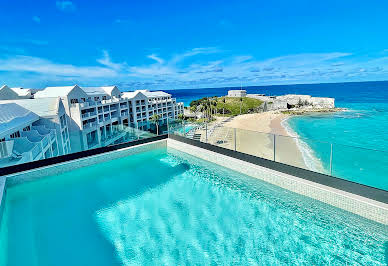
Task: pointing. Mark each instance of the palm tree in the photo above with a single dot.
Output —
(223, 106)
(241, 100)
(155, 118)
(181, 116)
(214, 102)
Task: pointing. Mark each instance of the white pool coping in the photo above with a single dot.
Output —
(365, 207)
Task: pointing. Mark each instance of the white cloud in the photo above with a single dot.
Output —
(194, 52)
(181, 70)
(107, 61)
(36, 19)
(156, 58)
(42, 66)
(65, 5)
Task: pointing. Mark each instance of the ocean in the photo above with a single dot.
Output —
(359, 135)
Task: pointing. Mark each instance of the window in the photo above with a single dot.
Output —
(27, 128)
(73, 101)
(15, 135)
(104, 97)
(83, 99)
(96, 98)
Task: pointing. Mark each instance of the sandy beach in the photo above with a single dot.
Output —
(255, 135)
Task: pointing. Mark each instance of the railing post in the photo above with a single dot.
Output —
(331, 159)
(274, 147)
(206, 132)
(235, 140)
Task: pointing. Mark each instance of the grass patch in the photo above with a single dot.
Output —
(232, 105)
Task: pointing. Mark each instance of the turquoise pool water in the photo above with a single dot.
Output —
(168, 208)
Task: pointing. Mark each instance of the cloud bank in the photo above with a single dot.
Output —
(194, 68)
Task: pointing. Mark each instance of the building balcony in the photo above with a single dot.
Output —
(90, 125)
(88, 104)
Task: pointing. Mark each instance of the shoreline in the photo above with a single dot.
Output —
(256, 137)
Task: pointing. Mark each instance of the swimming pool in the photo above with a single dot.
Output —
(167, 207)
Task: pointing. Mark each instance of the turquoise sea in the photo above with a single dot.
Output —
(364, 125)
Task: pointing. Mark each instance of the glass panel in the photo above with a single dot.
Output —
(365, 166)
(287, 151)
(255, 143)
(222, 137)
(47, 143)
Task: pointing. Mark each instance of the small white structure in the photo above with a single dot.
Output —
(237, 93)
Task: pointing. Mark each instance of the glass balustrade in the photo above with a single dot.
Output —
(357, 164)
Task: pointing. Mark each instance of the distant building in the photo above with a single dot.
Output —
(237, 93)
(21, 138)
(52, 116)
(97, 113)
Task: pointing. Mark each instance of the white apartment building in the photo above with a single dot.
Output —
(22, 139)
(52, 116)
(97, 115)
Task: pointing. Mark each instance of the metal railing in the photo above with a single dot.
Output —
(357, 164)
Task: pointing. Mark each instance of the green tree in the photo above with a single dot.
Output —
(181, 116)
(155, 118)
(223, 106)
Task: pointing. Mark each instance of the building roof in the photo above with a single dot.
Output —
(129, 94)
(7, 93)
(22, 91)
(14, 116)
(155, 93)
(54, 91)
(41, 106)
(99, 90)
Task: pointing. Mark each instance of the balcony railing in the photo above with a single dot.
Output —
(357, 164)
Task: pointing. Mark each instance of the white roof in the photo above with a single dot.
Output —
(14, 116)
(237, 90)
(54, 91)
(22, 91)
(41, 106)
(99, 90)
(3, 87)
(129, 94)
(155, 93)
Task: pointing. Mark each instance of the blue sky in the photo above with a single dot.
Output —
(191, 44)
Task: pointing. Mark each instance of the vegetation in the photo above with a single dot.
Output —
(155, 119)
(227, 106)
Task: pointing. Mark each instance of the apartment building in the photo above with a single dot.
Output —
(98, 115)
(22, 138)
(52, 116)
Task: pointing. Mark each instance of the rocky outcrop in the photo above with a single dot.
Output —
(292, 101)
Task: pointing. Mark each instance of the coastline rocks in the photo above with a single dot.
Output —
(291, 101)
